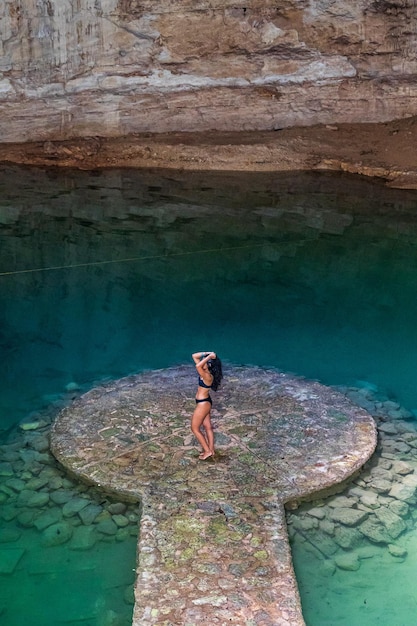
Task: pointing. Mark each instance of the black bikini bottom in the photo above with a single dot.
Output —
(208, 399)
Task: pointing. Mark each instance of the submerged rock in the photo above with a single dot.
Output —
(83, 538)
(392, 522)
(9, 559)
(107, 527)
(6, 469)
(397, 551)
(49, 517)
(32, 499)
(347, 538)
(350, 561)
(8, 535)
(348, 517)
(33, 425)
(57, 534)
(406, 493)
(74, 506)
(89, 514)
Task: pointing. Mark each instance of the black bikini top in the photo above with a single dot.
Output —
(201, 383)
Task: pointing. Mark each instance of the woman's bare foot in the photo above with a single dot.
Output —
(205, 455)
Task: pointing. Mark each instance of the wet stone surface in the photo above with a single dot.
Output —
(213, 544)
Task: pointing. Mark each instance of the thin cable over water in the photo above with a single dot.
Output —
(128, 260)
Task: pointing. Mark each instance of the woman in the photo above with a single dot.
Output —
(209, 368)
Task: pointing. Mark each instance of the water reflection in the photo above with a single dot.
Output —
(106, 273)
(313, 274)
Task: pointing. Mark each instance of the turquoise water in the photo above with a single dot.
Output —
(108, 273)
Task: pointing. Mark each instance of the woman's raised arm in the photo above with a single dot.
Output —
(201, 358)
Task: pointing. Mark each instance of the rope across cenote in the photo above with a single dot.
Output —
(128, 260)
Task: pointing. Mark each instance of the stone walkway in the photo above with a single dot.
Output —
(213, 544)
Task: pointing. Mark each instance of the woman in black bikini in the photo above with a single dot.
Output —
(209, 368)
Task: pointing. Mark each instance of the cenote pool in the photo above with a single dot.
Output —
(111, 272)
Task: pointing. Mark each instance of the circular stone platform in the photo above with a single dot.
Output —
(213, 545)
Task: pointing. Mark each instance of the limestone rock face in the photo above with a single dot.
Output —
(113, 67)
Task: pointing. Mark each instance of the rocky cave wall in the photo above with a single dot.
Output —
(74, 68)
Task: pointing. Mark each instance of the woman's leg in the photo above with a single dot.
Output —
(209, 431)
(200, 413)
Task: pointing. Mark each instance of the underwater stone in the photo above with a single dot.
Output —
(56, 534)
(34, 484)
(403, 492)
(305, 523)
(89, 513)
(51, 516)
(348, 517)
(40, 444)
(72, 386)
(102, 516)
(6, 469)
(74, 506)
(374, 531)
(399, 507)
(6, 490)
(328, 567)
(9, 559)
(341, 502)
(83, 538)
(117, 508)
(322, 543)
(400, 414)
(9, 534)
(122, 534)
(61, 496)
(8, 513)
(29, 456)
(55, 483)
(402, 468)
(397, 550)
(391, 405)
(34, 425)
(349, 562)
(381, 485)
(388, 428)
(16, 484)
(368, 552)
(32, 499)
(107, 527)
(120, 520)
(410, 479)
(318, 512)
(392, 522)
(401, 446)
(11, 455)
(370, 500)
(347, 538)
(381, 472)
(27, 518)
(327, 526)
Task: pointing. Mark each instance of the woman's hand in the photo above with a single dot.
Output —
(201, 358)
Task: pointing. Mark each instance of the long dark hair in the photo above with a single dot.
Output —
(215, 369)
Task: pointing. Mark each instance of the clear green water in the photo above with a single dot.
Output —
(312, 274)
